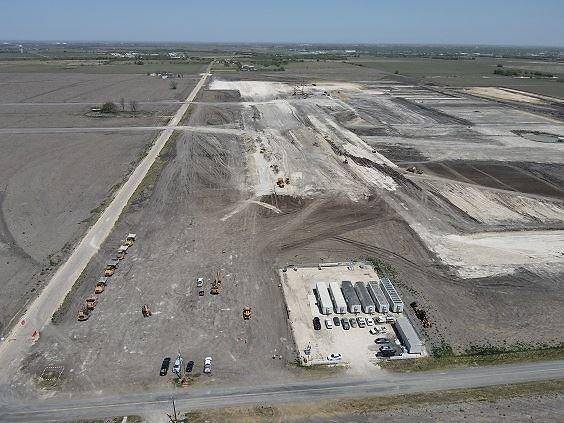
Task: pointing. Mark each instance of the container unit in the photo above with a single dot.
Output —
(323, 298)
(351, 298)
(337, 297)
(396, 304)
(378, 297)
(366, 302)
(408, 336)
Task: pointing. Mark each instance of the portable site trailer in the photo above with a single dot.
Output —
(396, 304)
(337, 297)
(323, 299)
(366, 302)
(408, 336)
(378, 297)
(351, 298)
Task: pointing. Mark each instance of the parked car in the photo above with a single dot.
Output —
(316, 323)
(382, 340)
(189, 366)
(207, 365)
(390, 319)
(200, 282)
(387, 351)
(382, 329)
(373, 331)
(201, 292)
(345, 323)
(361, 322)
(334, 357)
(328, 324)
(369, 321)
(177, 367)
(353, 323)
(336, 321)
(379, 319)
(165, 366)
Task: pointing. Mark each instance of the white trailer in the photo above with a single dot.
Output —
(408, 336)
(351, 298)
(396, 304)
(323, 298)
(337, 297)
(377, 295)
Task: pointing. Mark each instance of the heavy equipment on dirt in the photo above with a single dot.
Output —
(91, 302)
(421, 315)
(129, 239)
(121, 252)
(110, 268)
(100, 285)
(414, 169)
(83, 313)
(280, 182)
(216, 284)
(146, 310)
(247, 313)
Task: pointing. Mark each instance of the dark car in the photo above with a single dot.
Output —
(189, 366)
(165, 366)
(336, 321)
(387, 351)
(346, 325)
(316, 323)
(353, 323)
(201, 292)
(382, 340)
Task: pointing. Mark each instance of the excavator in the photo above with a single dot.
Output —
(100, 286)
(91, 302)
(216, 284)
(83, 313)
(247, 313)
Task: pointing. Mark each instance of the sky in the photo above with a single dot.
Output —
(505, 22)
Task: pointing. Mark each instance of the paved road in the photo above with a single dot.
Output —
(39, 313)
(154, 403)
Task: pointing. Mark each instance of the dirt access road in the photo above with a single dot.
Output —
(39, 313)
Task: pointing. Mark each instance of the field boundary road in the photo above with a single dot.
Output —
(39, 313)
(153, 403)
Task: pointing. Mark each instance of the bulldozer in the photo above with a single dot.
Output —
(280, 182)
(111, 267)
(216, 284)
(247, 313)
(121, 252)
(83, 313)
(146, 310)
(91, 302)
(129, 240)
(100, 286)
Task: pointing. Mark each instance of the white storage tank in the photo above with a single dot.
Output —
(337, 296)
(323, 298)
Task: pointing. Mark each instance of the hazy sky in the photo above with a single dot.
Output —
(516, 22)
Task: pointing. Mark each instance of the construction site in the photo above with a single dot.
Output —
(440, 187)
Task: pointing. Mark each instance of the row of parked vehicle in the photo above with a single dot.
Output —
(353, 322)
(178, 366)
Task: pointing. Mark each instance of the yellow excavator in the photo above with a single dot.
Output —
(247, 313)
(216, 284)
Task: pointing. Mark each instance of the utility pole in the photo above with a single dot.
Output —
(171, 418)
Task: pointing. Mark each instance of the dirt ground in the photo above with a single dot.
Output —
(218, 205)
(51, 184)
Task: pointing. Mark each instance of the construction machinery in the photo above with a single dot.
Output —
(247, 313)
(280, 182)
(83, 313)
(129, 240)
(100, 285)
(421, 315)
(121, 252)
(216, 284)
(414, 169)
(110, 268)
(91, 302)
(146, 310)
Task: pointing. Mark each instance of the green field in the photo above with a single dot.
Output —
(468, 73)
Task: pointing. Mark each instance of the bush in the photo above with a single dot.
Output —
(108, 107)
